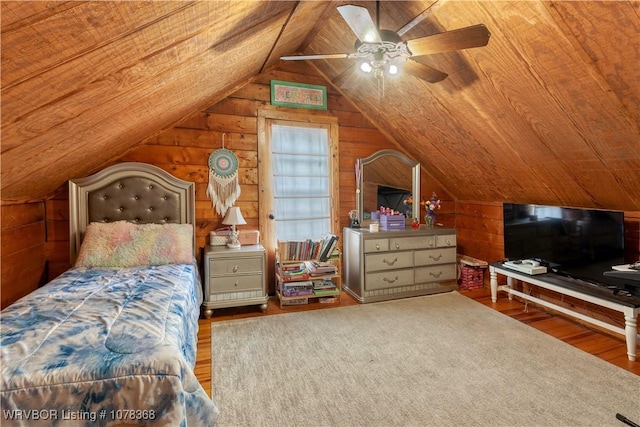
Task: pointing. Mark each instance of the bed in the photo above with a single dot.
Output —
(112, 341)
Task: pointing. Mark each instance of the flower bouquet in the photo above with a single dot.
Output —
(431, 206)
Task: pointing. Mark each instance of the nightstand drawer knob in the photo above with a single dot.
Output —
(235, 269)
(236, 284)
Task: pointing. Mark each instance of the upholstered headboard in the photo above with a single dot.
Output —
(136, 192)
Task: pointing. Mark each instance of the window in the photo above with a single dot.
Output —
(300, 167)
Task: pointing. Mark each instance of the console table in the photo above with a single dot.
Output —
(595, 294)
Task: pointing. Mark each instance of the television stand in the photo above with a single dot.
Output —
(628, 305)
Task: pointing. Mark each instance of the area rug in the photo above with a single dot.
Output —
(440, 360)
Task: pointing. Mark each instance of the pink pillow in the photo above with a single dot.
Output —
(125, 244)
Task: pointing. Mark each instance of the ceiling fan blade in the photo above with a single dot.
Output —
(325, 56)
(421, 17)
(423, 72)
(360, 22)
(463, 38)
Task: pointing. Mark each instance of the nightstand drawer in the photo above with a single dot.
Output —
(234, 278)
(236, 283)
(236, 265)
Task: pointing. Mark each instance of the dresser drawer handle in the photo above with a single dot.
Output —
(430, 242)
(397, 245)
(436, 275)
(435, 258)
(236, 284)
(390, 280)
(390, 262)
(235, 269)
(377, 247)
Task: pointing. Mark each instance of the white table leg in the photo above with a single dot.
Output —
(631, 331)
(510, 285)
(494, 284)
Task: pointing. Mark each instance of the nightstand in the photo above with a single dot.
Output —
(234, 277)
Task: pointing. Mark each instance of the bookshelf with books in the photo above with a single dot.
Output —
(308, 272)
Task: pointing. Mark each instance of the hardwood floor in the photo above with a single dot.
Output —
(607, 347)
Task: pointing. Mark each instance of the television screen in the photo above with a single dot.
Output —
(393, 198)
(583, 243)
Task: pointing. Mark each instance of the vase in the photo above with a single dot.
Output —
(428, 219)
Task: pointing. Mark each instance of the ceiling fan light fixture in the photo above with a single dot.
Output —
(393, 69)
(371, 37)
(366, 67)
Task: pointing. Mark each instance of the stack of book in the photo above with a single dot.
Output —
(297, 289)
(319, 268)
(324, 287)
(295, 271)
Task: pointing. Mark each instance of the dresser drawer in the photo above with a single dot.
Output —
(236, 265)
(435, 256)
(388, 261)
(236, 283)
(436, 273)
(408, 243)
(445, 240)
(388, 279)
(376, 245)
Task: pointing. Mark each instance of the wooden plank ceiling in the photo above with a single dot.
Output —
(547, 112)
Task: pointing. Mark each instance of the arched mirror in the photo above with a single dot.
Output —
(387, 178)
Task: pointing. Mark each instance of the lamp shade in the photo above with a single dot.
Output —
(234, 217)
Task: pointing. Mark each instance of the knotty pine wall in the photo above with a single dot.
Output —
(184, 150)
(23, 262)
(34, 236)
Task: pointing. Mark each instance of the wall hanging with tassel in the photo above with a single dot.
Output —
(223, 188)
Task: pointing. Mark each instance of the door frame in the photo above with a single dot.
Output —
(266, 225)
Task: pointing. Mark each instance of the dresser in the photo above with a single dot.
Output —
(234, 277)
(400, 263)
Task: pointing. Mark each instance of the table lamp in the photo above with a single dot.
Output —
(233, 218)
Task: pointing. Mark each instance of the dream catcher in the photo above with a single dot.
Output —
(223, 188)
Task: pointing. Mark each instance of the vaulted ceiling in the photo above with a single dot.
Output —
(547, 112)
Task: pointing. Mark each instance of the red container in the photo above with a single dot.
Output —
(471, 277)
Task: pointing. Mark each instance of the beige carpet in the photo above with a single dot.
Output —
(441, 360)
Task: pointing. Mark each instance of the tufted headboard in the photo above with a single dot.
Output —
(136, 192)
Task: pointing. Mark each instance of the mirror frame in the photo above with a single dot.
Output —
(415, 176)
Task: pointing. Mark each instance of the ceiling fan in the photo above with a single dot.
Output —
(383, 52)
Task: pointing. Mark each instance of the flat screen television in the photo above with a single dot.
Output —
(391, 197)
(581, 243)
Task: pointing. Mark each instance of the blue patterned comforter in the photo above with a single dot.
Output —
(99, 347)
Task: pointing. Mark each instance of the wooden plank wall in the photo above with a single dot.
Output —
(184, 149)
(23, 263)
